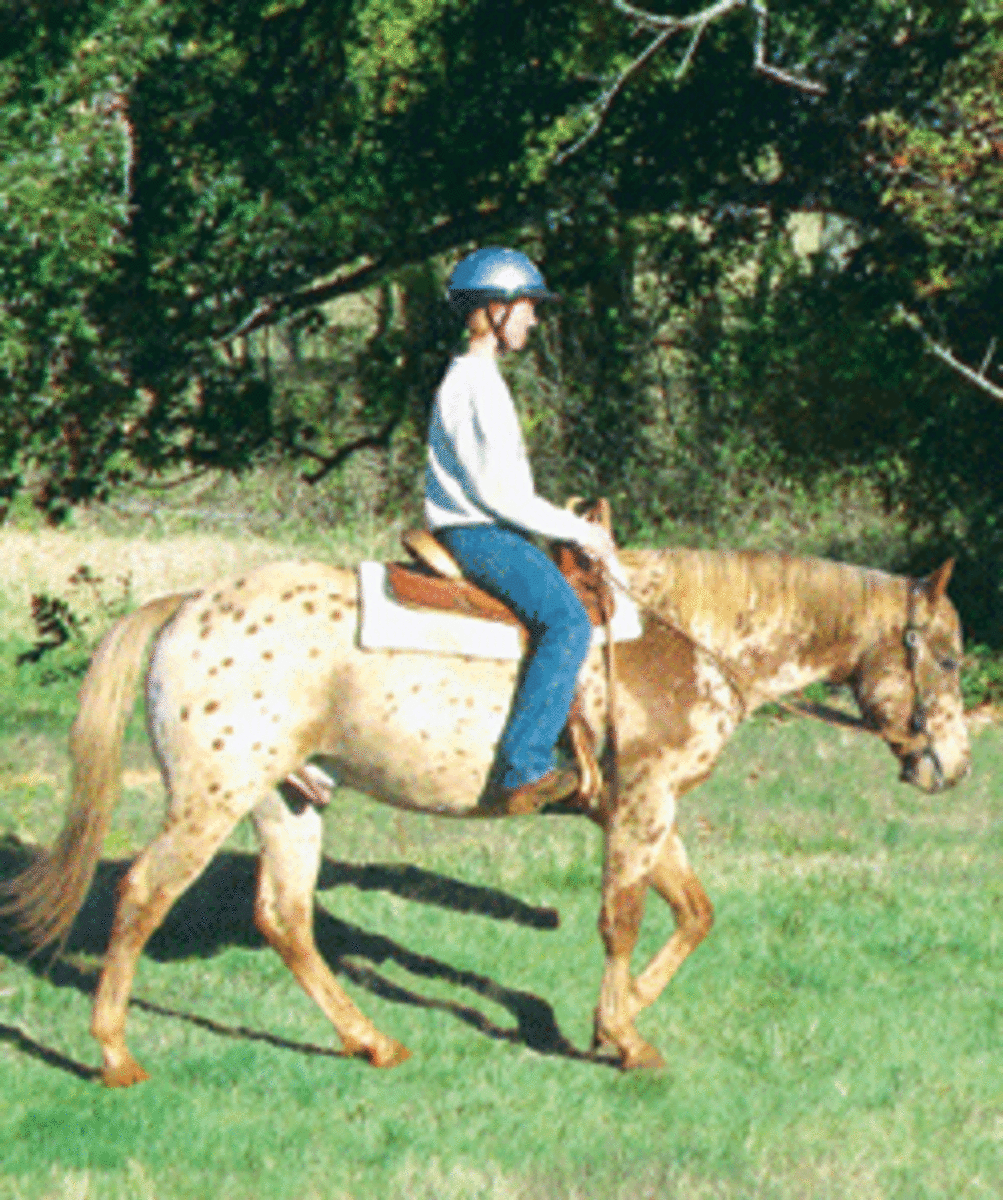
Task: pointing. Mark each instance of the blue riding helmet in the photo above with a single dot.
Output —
(495, 273)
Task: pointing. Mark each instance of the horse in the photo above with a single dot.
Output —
(251, 677)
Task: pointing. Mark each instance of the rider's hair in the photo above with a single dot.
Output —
(478, 322)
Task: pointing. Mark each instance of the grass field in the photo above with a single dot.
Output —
(840, 1034)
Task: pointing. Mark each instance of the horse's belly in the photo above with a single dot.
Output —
(419, 731)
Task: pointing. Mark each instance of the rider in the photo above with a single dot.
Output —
(480, 502)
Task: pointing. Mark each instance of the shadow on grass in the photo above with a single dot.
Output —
(217, 913)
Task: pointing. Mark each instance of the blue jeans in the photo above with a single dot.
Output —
(511, 568)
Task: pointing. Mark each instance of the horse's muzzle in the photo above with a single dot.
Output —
(923, 769)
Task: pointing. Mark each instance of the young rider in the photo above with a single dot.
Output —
(481, 503)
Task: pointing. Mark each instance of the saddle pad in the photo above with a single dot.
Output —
(386, 625)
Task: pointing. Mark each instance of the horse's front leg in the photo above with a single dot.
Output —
(635, 838)
(676, 882)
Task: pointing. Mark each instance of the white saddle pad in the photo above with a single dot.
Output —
(386, 625)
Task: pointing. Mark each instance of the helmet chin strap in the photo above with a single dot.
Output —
(497, 327)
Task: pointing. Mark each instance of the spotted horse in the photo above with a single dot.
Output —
(250, 678)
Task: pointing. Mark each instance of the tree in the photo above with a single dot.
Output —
(179, 173)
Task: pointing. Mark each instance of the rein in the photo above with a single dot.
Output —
(912, 638)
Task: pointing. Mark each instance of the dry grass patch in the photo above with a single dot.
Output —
(42, 562)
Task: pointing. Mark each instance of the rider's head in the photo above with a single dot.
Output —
(495, 290)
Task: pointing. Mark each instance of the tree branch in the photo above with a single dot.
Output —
(760, 64)
(436, 240)
(666, 27)
(331, 462)
(947, 356)
(602, 104)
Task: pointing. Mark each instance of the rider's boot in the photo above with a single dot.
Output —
(589, 797)
(556, 786)
(561, 789)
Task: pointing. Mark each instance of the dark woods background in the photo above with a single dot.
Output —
(226, 228)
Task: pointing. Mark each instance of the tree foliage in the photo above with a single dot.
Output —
(176, 174)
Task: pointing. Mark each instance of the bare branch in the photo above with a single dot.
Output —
(760, 64)
(947, 356)
(684, 66)
(990, 351)
(435, 240)
(161, 485)
(674, 24)
(602, 104)
(666, 27)
(331, 462)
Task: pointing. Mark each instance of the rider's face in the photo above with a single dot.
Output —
(521, 319)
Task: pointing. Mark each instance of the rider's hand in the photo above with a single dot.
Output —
(597, 543)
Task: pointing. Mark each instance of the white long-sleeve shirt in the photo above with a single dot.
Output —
(478, 471)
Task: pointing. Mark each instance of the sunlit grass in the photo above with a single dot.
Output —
(840, 1027)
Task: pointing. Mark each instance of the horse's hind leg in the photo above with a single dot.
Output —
(283, 911)
(171, 862)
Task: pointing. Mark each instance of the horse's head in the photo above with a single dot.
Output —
(908, 689)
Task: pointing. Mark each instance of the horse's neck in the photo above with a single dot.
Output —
(777, 622)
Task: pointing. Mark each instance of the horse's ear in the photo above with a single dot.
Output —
(935, 585)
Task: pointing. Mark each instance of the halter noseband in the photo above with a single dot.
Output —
(914, 641)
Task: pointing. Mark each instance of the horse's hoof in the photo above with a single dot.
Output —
(390, 1056)
(124, 1075)
(601, 1041)
(641, 1057)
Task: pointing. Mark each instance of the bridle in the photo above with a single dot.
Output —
(915, 643)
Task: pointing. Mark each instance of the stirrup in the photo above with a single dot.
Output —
(590, 780)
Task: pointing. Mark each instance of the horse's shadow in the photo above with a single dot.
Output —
(217, 912)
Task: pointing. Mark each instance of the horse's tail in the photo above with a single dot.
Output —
(42, 902)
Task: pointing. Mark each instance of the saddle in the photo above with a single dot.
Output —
(433, 579)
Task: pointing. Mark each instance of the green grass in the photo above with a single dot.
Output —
(838, 1035)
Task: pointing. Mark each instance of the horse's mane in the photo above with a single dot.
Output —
(716, 594)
